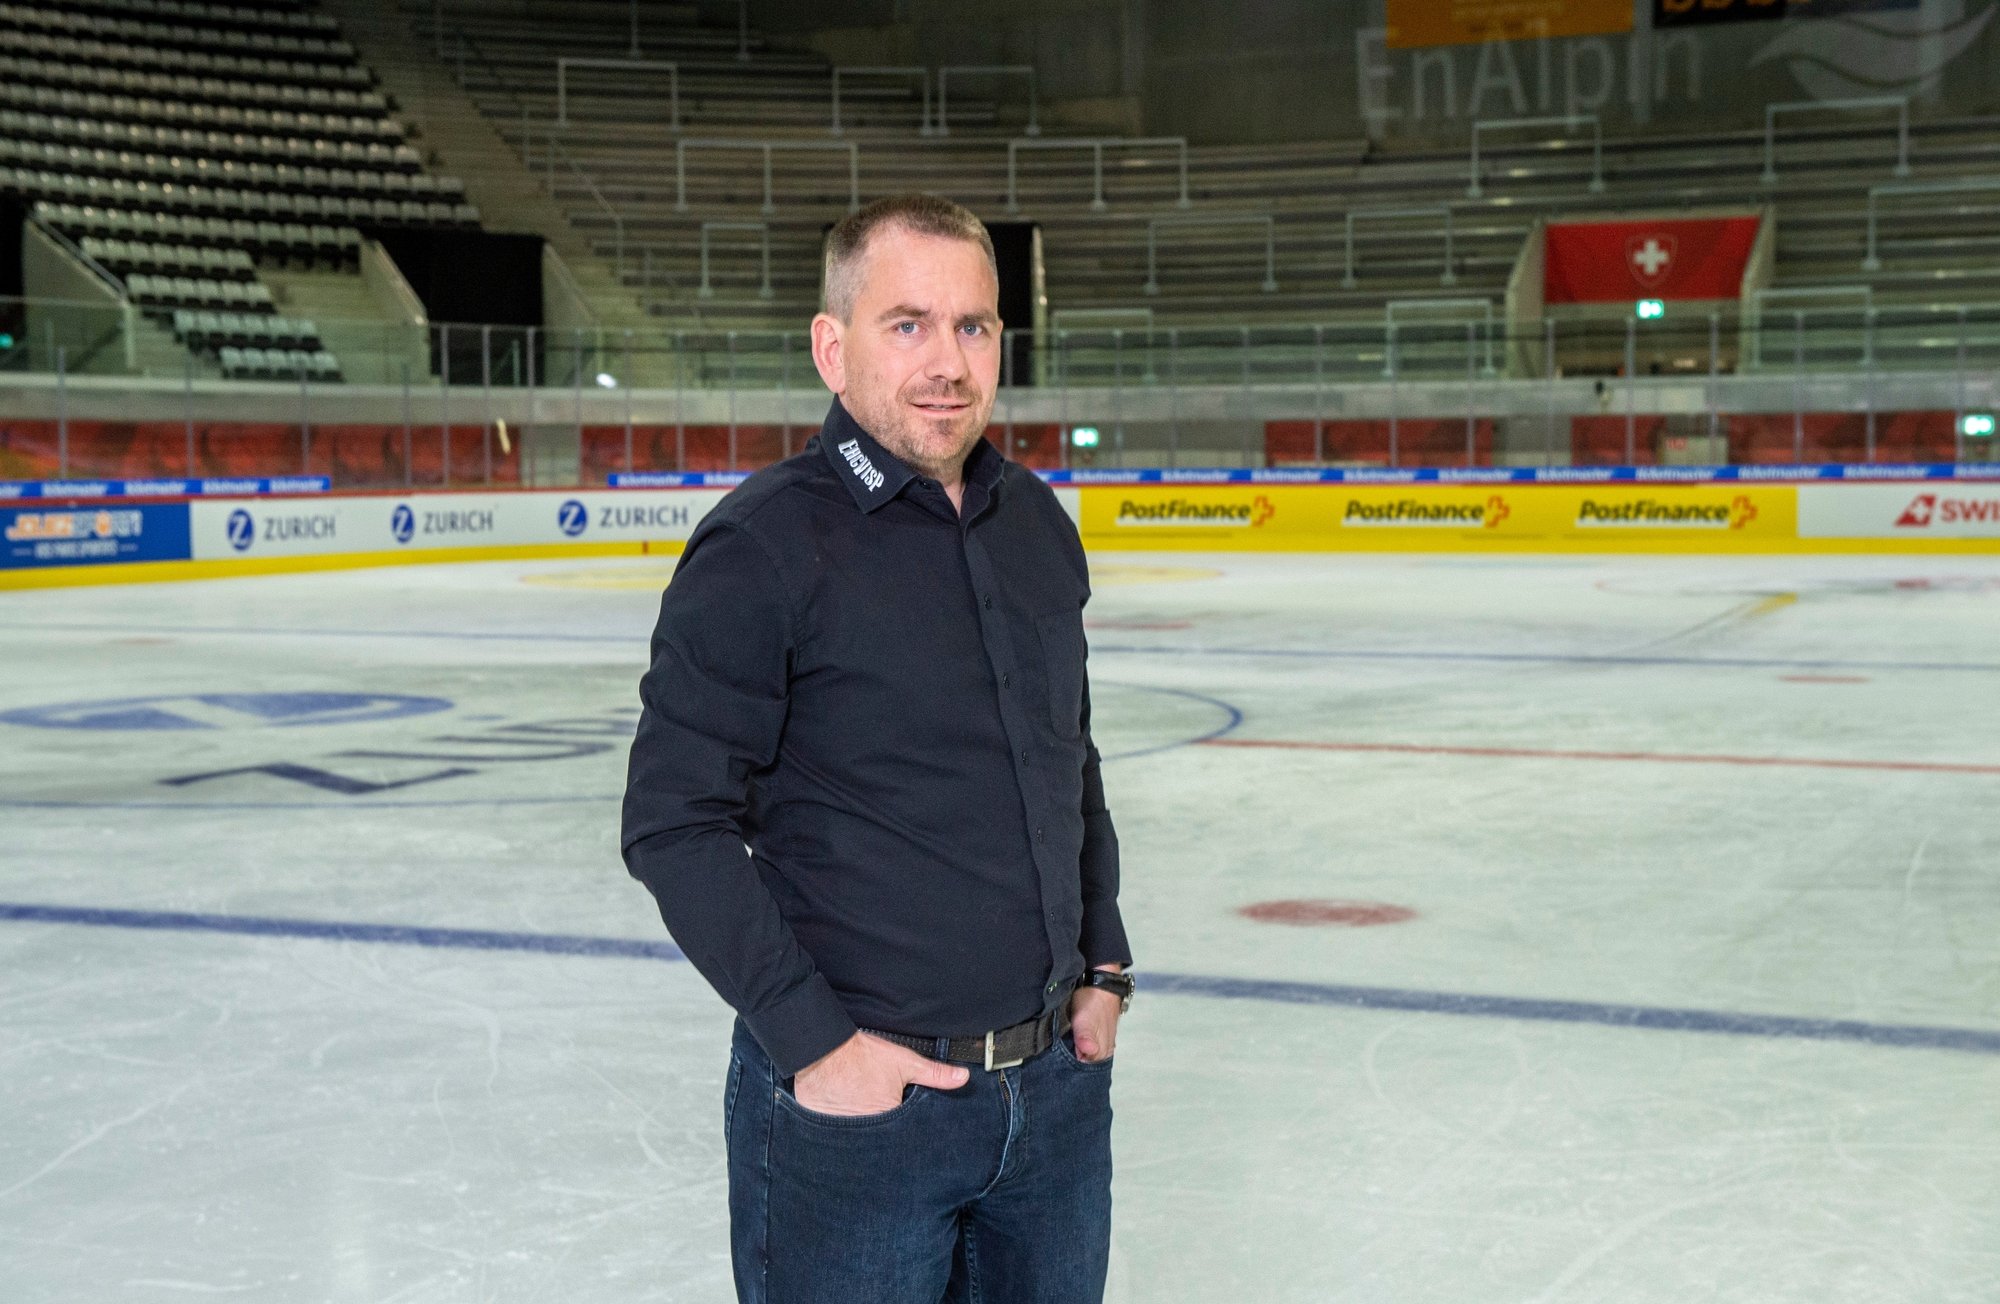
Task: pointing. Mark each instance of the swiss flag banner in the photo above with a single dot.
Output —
(1677, 258)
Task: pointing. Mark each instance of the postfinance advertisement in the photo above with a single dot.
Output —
(1441, 517)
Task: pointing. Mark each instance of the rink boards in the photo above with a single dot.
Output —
(51, 541)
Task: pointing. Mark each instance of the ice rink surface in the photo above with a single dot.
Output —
(323, 980)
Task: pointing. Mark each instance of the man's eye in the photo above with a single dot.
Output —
(973, 328)
(906, 327)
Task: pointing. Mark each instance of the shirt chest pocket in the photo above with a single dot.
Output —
(1061, 635)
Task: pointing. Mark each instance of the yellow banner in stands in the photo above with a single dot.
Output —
(1442, 517)
(1416, 23)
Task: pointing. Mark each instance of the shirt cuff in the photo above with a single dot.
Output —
(1103, 939)
(802, 1027)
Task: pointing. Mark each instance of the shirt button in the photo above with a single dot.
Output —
(1024, 756)
(1006, 680)
(1041, 835)
(988, 601)
(1053, 986)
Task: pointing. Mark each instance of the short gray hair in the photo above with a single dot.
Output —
(923, 214)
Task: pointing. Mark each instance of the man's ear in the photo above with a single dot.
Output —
(827, 354)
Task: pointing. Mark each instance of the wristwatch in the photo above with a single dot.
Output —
(1121, 983)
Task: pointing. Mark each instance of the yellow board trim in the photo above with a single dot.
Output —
(1517, 519)
(153, 572)
(1529, 545)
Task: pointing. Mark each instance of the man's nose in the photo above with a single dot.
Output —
(947, 360)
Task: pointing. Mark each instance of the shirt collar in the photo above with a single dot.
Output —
(874, 475)
(871, 472)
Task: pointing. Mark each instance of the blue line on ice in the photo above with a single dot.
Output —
(638, 643)
(1648, 1018)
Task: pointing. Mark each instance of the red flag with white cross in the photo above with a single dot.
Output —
(1618, 261)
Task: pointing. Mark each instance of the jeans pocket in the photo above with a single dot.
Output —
(1061, 635)
(729, 1090)
(1066, 1047)
(912, 1093)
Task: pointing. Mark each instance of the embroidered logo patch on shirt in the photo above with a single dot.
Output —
(864, 469)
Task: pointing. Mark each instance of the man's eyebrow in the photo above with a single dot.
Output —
(905, 310)
(981, 318)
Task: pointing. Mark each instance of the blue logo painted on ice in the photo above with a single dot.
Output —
(403, 523)
(224, 711)
(242, 529)
(572, 517)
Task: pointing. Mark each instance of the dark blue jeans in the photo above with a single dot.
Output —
(999, 1191)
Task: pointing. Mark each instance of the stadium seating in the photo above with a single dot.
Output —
(1206, 281)
(182, 146)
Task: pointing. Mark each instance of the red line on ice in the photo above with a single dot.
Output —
(1556, 754)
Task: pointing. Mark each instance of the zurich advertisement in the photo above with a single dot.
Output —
(448, 522)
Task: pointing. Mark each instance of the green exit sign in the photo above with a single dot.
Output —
(1977, 425)
(1649, 309)
(1083, 436)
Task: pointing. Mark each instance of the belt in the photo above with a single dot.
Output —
(1002, 1048)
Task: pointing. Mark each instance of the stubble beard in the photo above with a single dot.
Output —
(932, 446)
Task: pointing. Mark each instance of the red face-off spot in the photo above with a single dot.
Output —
(1343, 914)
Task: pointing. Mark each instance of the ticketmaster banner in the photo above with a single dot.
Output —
(245, 528)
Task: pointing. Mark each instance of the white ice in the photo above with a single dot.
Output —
(189, 1114)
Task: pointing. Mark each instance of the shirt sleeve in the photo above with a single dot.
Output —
(1103, 940)
(713, 706)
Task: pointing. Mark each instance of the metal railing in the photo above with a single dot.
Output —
(681, 147)
(1761, 300)
(1871, 260)
(1264, 220)
(1899, 103)
(1173, 395)
(1430, 310)
(1096, 145)
(763, 230)
(467, 47)
(943, 126)
(1835, 337)
(1564, 120)
(553, 153)
(1449, 276)
(674, 68)
(670, 67)
(921, 73)
(113, 284)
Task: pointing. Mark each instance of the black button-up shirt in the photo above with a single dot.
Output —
(884, 699)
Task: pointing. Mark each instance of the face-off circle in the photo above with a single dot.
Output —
(1326, 913)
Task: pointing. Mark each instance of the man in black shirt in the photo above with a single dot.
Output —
(869, 673)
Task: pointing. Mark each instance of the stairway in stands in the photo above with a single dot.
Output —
(456, 137)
